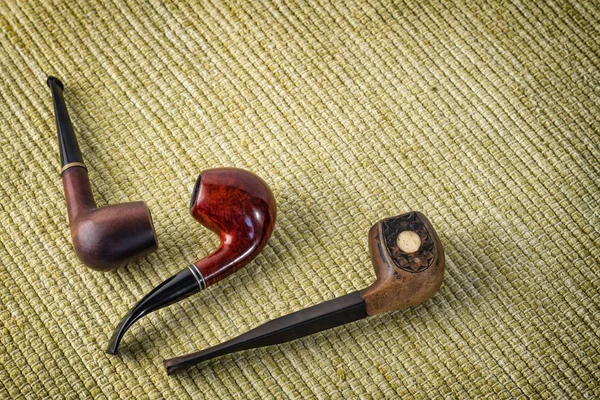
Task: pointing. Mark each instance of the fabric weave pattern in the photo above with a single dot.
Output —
(484, 116)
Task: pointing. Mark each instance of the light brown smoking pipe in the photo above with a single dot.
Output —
(409, 264)
(103, 238)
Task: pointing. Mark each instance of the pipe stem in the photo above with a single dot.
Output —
(329, 314)
(174, 289)
(67, 142)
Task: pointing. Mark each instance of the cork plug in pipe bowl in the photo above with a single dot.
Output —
(409, 263)
(107, 237)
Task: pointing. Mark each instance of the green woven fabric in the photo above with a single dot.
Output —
(484, 116)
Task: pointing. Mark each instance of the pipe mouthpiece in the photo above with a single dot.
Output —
(126, 322)
(174, 289)
(52, 80)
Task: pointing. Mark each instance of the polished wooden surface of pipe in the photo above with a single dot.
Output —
(105, 238)
(239, 207)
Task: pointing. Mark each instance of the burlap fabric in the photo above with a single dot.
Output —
(482, 115)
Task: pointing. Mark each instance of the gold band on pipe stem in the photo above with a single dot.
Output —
(72, 164)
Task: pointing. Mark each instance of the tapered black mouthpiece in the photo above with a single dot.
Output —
(174, 289)
(329, 314)
(67, 142)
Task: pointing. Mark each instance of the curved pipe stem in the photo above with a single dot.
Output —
(174, 289)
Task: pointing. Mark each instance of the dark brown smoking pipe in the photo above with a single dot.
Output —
(239, 207)
(409, 264)
(103, 238)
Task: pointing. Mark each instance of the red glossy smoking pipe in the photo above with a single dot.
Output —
(103, 238)
(409, 264)
(239, 207)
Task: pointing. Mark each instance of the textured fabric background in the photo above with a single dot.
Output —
(483, 116)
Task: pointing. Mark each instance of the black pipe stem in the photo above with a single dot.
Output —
(329, 314)
(67, 142)
(174, 289)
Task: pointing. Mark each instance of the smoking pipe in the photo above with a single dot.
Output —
(239, 207)
(103, 238)
(409, 265)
